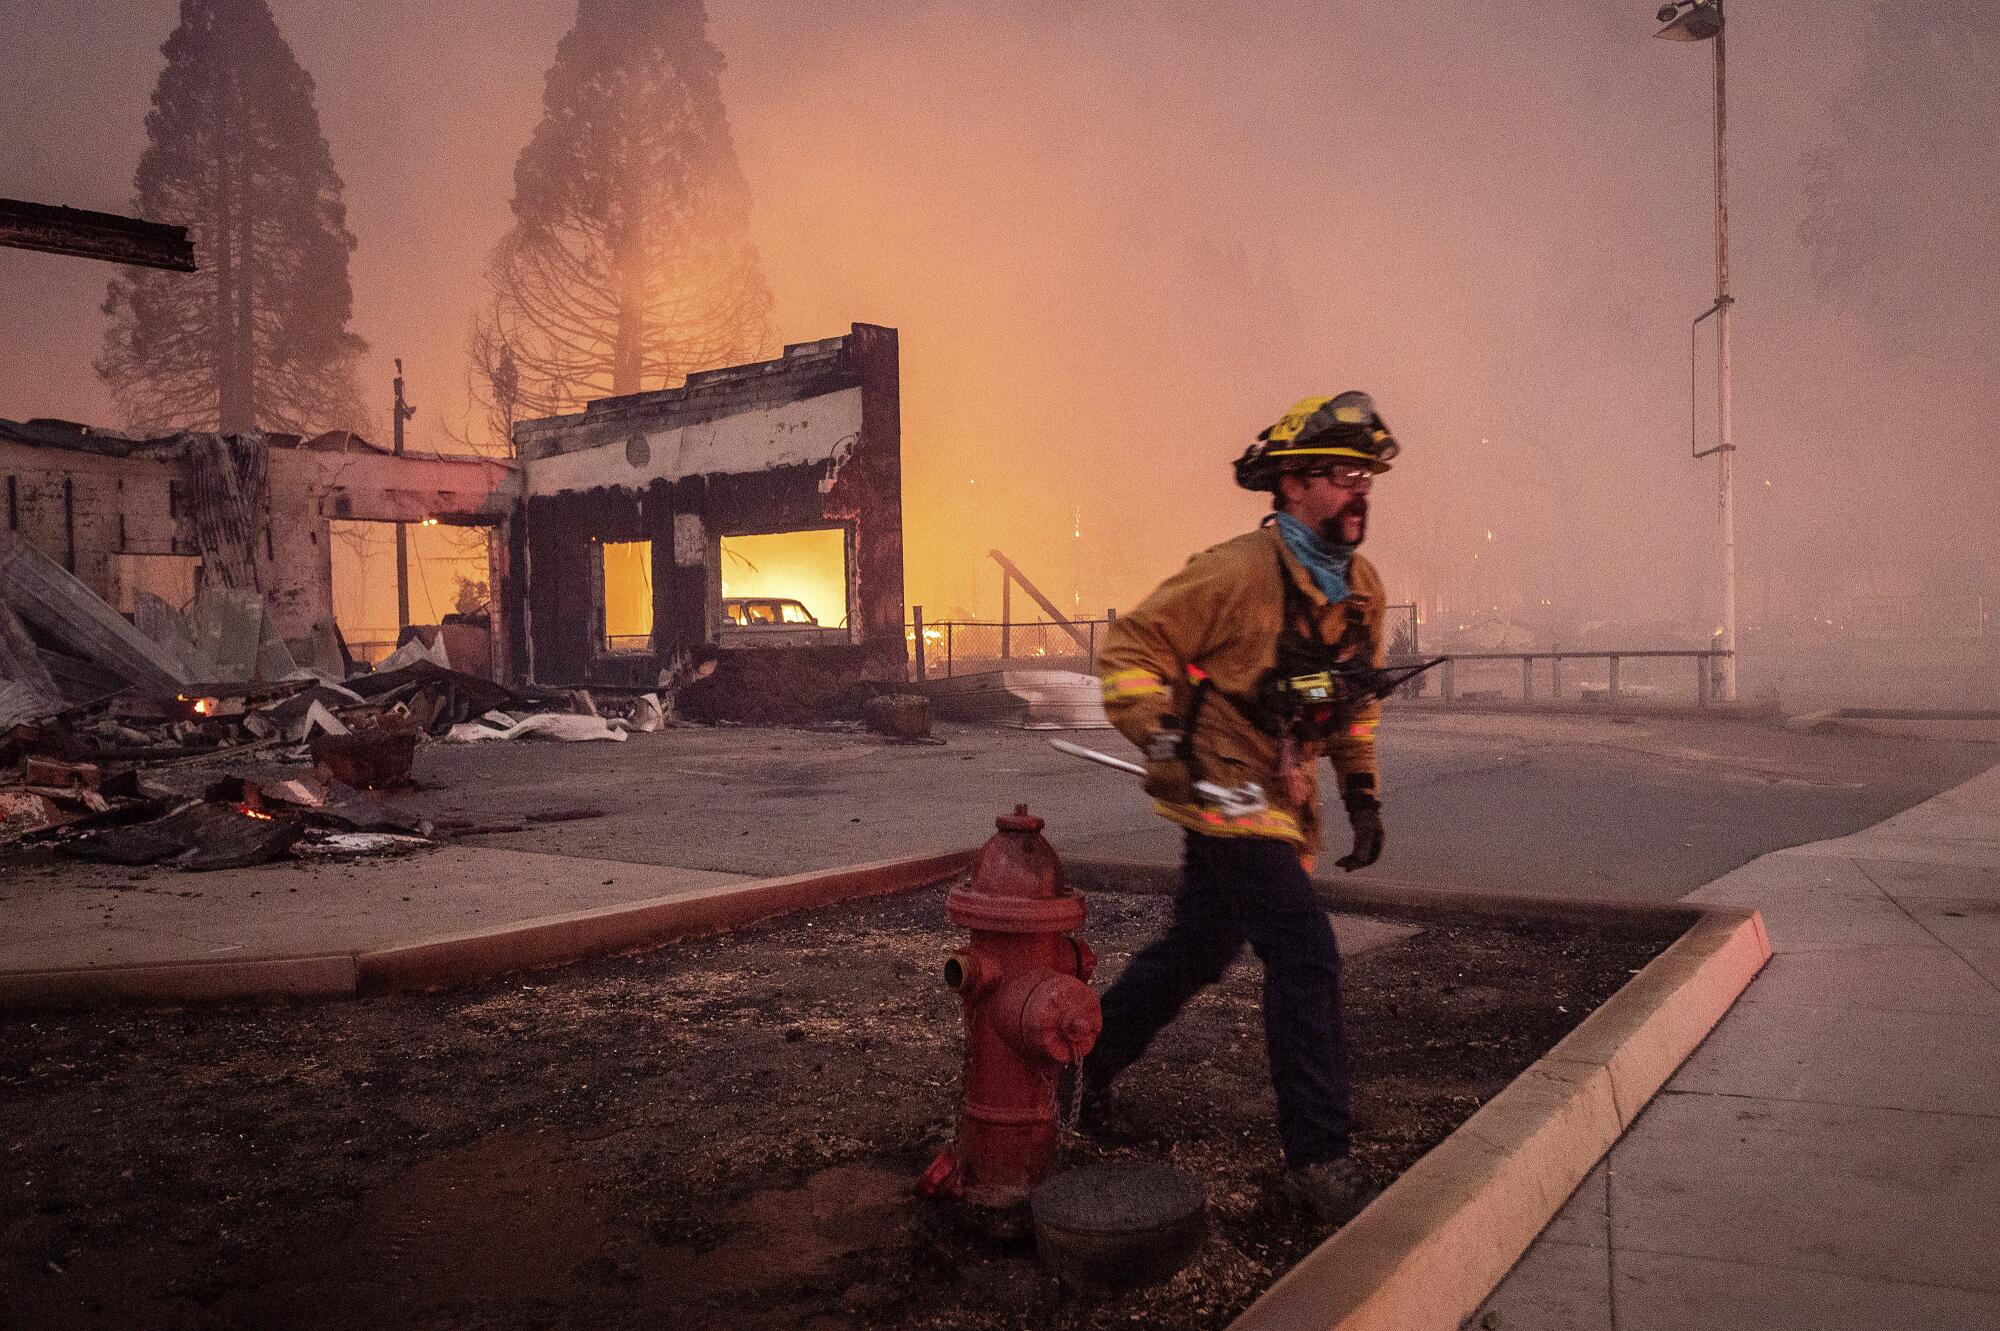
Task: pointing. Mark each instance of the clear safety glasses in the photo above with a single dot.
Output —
(1346, 475)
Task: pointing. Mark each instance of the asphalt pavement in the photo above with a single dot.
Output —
(1649, 809)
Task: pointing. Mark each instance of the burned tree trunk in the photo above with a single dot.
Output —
(228, 371)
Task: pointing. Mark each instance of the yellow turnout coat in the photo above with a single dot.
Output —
(1222, 614)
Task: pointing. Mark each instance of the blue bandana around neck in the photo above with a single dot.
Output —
(1327, 561)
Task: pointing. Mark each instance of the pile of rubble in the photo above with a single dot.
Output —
(93, 705)
(120, 818)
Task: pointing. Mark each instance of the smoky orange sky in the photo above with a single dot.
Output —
(1118, 239)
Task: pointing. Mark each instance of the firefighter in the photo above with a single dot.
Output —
(1201, 677)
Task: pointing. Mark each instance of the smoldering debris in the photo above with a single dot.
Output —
(197, 835)
(233, 823)
(98, 713)
(78, 679)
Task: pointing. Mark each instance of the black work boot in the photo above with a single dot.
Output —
(1334, 1190)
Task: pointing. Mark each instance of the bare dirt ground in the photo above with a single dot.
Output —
(718, 1134)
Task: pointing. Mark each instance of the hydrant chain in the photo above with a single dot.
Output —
(1075, 1098)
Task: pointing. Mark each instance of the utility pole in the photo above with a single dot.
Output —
(1725, 438)
(1703, 20)
(402, 412)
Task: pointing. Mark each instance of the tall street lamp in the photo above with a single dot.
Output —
(1701, 21)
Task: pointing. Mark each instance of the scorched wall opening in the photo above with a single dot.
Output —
(786, 588)
(450, 571)
(625, 595)
(171, 577)
(679, 521)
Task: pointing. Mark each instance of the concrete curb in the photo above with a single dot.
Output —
(454, 958)
(1967, 726)
(477, 954)
(1444, 1235)
(179, 982)
(1909, 714)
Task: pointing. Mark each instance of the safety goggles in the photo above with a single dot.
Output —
(1346, 475)
(1352, 408)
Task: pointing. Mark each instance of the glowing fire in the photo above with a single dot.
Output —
(202, 706)
(628, 590)
(249, 812)
(806, 566)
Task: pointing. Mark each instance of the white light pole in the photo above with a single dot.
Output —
(1698, 21)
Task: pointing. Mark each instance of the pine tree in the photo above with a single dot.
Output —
(629, 265)
(258, 338)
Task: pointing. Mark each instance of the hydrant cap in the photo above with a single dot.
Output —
(1016, 884)
(1019, 821)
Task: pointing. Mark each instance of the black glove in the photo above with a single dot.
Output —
(1168, 777)
(1365, 812)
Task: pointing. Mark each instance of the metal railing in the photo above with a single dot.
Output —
(1452, 675)
(968, 647)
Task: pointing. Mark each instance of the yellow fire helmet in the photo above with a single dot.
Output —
(1312, 435)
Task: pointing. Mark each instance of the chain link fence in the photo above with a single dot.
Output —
(966, 647)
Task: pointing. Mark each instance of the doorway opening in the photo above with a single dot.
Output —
(450, 572)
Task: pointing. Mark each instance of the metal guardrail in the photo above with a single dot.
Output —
(969, 646)
(954, 647)
(1705, 664)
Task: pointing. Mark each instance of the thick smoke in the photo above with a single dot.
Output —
(1119, 240)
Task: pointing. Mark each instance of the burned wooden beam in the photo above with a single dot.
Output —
(87, 235)
(1014, 574)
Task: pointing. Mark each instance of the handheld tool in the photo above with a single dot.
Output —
(1233, 801)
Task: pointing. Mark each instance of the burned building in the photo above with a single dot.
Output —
(173, 516)
(752, 516)
(754, 513)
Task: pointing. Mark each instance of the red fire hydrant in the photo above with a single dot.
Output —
(1029, 1013)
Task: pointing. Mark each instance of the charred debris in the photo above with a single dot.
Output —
(98, 713)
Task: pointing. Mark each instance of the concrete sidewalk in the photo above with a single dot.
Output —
(1830, 1157)
(293, 909)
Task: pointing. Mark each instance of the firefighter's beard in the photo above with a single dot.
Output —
(1348, 526)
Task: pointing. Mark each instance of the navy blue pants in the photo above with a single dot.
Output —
(1236, 890)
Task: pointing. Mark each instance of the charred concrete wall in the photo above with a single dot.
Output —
(85, 509)
(811, 440)
(355, 480)
(102, 505)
